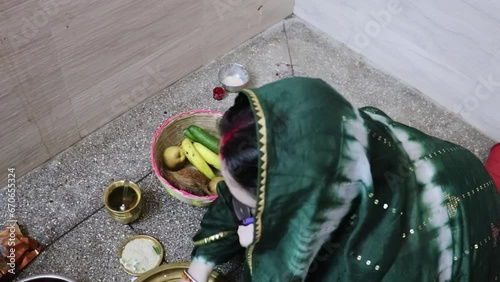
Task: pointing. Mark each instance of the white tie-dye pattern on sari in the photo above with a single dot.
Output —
(432, 195)
(356, 168)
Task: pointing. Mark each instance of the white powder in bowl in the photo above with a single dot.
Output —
(140, 255)
(233, 81)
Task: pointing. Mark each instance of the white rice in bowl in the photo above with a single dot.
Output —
(140, 255)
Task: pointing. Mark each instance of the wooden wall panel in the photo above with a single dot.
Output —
(58, 127)
(23, 24)
(228, 23)
(115, 95)
(7, 4)
(12, 109)
(23, 149)
(42, 88)
(91, 55)
(134, 66)
(67, 67)
(21, 144)
(34, 65)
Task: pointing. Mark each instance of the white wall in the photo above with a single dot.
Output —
(448, 49)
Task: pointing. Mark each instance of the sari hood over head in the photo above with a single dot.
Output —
(349, 194)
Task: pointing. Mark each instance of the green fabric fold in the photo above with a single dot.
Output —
(219, 218)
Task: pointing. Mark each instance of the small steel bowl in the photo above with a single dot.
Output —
(233, 70)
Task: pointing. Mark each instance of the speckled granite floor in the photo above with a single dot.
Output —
(60, 203)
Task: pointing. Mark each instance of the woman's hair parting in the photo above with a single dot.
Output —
(239, 143)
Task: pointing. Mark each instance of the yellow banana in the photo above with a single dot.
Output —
(209, 156)
(195, 159)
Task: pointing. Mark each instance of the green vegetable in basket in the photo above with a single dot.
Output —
(204, 138)
(189, 135)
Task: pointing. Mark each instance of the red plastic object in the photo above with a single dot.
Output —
(493, 165)
(219, 93)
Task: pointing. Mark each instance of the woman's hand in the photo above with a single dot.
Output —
(199, 271)
(246, 235)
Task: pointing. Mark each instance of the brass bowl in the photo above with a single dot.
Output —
(172, 272)
(128, 240)
(114, 197)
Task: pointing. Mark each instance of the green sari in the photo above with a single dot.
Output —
(351, 195)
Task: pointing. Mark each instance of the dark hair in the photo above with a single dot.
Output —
(239, 143)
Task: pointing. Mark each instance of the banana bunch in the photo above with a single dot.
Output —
(209, 156)
(196, 159)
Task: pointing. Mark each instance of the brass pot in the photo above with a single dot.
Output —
(123, 201)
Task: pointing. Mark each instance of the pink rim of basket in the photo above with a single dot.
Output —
(153, 161)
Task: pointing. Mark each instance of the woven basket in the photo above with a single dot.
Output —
(171, 133)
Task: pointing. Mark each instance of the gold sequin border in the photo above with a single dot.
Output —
(262, 131)
(212, 238)
(451, 202)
